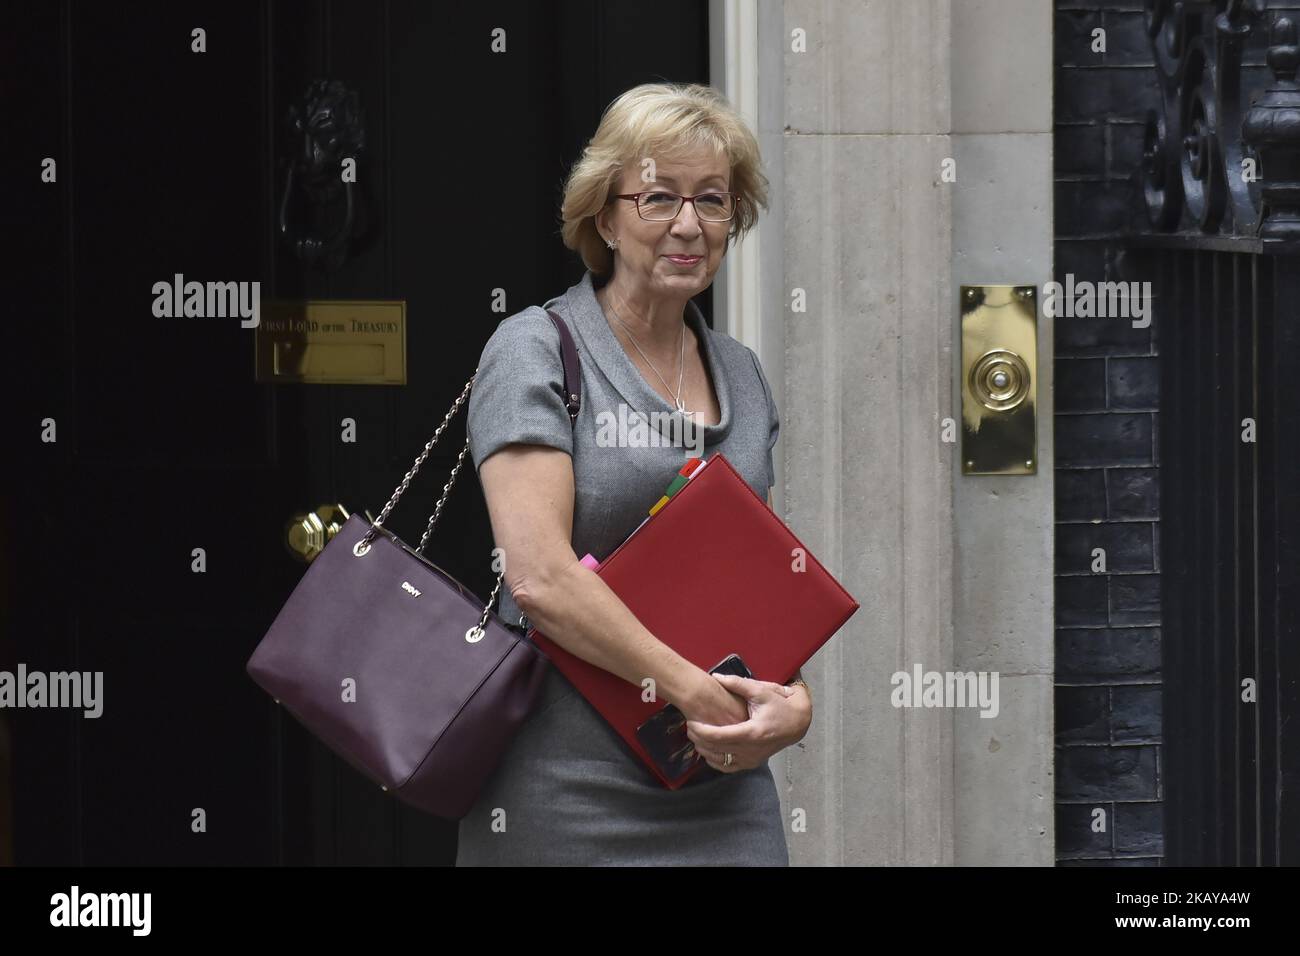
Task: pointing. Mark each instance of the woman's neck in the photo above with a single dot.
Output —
(656, 324)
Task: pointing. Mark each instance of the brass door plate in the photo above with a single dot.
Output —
(999, 379)
(332, 342)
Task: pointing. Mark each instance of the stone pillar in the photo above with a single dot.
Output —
(952, 573)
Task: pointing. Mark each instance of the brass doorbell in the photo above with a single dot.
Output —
(999, 379)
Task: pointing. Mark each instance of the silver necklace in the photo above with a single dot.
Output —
(677, 396)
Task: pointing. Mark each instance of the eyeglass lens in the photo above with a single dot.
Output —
(711, 207)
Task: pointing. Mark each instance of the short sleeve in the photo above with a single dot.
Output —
(518, 393)
(774, 418)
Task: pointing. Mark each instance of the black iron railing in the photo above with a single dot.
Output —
(1221, 178)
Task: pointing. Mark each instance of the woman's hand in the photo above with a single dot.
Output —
(713, 703)
(778, 717)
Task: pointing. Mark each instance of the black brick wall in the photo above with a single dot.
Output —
(1108, 625)
(1107, 495)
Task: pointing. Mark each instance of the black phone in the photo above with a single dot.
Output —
(664, 734)
(731, 664)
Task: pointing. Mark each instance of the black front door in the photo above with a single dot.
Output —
(154, 477)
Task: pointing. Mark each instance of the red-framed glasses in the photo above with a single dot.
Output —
(659, 205)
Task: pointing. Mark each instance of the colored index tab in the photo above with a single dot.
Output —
(688, 469)
(659, 504)
(676, 485)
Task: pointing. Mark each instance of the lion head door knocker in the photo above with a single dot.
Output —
(322, 210)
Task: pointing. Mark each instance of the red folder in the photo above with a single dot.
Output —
(713, 572)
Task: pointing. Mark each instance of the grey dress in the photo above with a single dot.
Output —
(568, 790)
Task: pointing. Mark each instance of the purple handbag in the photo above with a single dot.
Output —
(395, 665)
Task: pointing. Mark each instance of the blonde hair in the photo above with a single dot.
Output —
(663, 120)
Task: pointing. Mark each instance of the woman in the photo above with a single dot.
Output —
(568, 790)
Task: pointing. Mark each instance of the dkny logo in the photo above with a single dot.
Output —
(413, 591)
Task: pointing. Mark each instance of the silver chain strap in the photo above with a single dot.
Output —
(446, 490)
(362, 546)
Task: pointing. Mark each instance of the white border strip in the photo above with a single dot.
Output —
(733, 69)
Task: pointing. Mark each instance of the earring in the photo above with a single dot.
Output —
(612, 243)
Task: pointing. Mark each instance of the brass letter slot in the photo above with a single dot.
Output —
(332, 343)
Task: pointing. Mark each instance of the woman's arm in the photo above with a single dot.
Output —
(529, 491)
